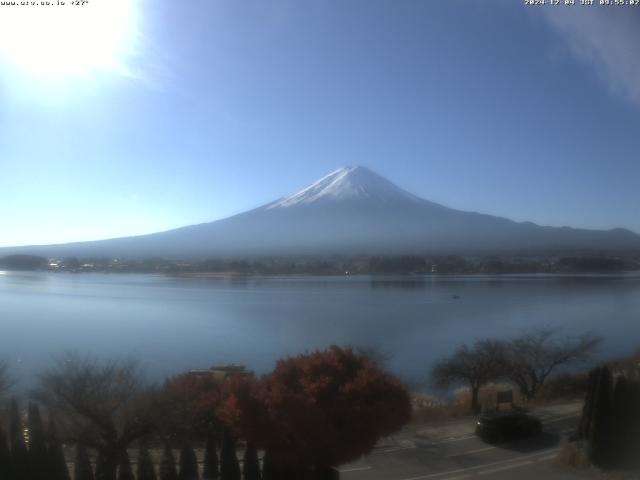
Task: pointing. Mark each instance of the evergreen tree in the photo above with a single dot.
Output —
(82, 467)
(168, 465)
(634, 424)
(57, 463)
(19, 454)
(587, 409)
(269, 470)
(251, 464)
(188, 463)
(38, 454)
(600, 449)
(101, 468)
(145, 465)
(229, 467)
(5, 456)
(625, 433)
(124, 467)
(611, 420)
(622, 412)
(211, 470)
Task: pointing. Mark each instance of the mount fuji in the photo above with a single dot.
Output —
(351, 210)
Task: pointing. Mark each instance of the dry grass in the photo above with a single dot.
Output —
(573, 456)
(428, 408)
(487, 396)
(563, 387)
(557, 389)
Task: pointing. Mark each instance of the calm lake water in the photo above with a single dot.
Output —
(173, 324)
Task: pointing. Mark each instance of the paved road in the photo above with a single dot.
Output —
(450, 450)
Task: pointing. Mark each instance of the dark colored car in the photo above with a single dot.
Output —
(499, 427)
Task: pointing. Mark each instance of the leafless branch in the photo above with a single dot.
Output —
(6, 380)
(536, 354)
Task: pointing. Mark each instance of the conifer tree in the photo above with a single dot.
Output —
(38, 454)
(600, 425)
(251, 464)
(229, 467)
(211, 470)
(168, 465)
(611, 419)
(145, 465)
(5, 456)
(634, 424)
(587, 409)
(82, 466)
(124, 467)
(19, 454)
(188, 463)
(622, 412)
(101, 468)
(57, 463)
(269, 470)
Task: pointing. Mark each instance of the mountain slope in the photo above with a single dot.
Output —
(351, 210)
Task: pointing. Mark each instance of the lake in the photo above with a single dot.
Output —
(174, 324)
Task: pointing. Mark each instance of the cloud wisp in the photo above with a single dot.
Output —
(605, 38)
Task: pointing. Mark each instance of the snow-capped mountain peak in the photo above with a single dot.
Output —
(346, 183)
(350, 211)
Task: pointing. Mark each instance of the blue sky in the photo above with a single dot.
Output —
(202, 109)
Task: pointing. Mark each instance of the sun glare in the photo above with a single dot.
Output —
(64, 38)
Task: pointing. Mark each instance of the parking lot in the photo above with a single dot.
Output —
(451, 450)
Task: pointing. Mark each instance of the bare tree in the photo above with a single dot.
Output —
(6, 381)
(102, 405)
(533, 356)
(474, 366)
(375, 353)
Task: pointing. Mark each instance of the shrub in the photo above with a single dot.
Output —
(324, 408)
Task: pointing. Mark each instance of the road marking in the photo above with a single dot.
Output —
(454, 439)
(506, 467)
(396, 449)
(485, 465)
(354, 469)
(413, 447)
(469, 452)
(560, 419)
(516, 465)
(547, 458)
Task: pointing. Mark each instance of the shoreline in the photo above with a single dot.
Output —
(417, 276)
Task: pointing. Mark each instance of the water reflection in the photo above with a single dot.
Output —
(173, 324)
(403, 283)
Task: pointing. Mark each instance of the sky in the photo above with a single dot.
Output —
(123, 117)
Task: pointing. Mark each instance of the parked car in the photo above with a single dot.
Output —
(499, 427)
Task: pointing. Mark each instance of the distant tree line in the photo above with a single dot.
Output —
(335, 264)
(23, 262)
(312, 413)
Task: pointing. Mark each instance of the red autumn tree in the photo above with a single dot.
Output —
(188, 403)
(318, 410)
(243, 408)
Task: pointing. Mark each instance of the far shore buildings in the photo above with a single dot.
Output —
(220, 372)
